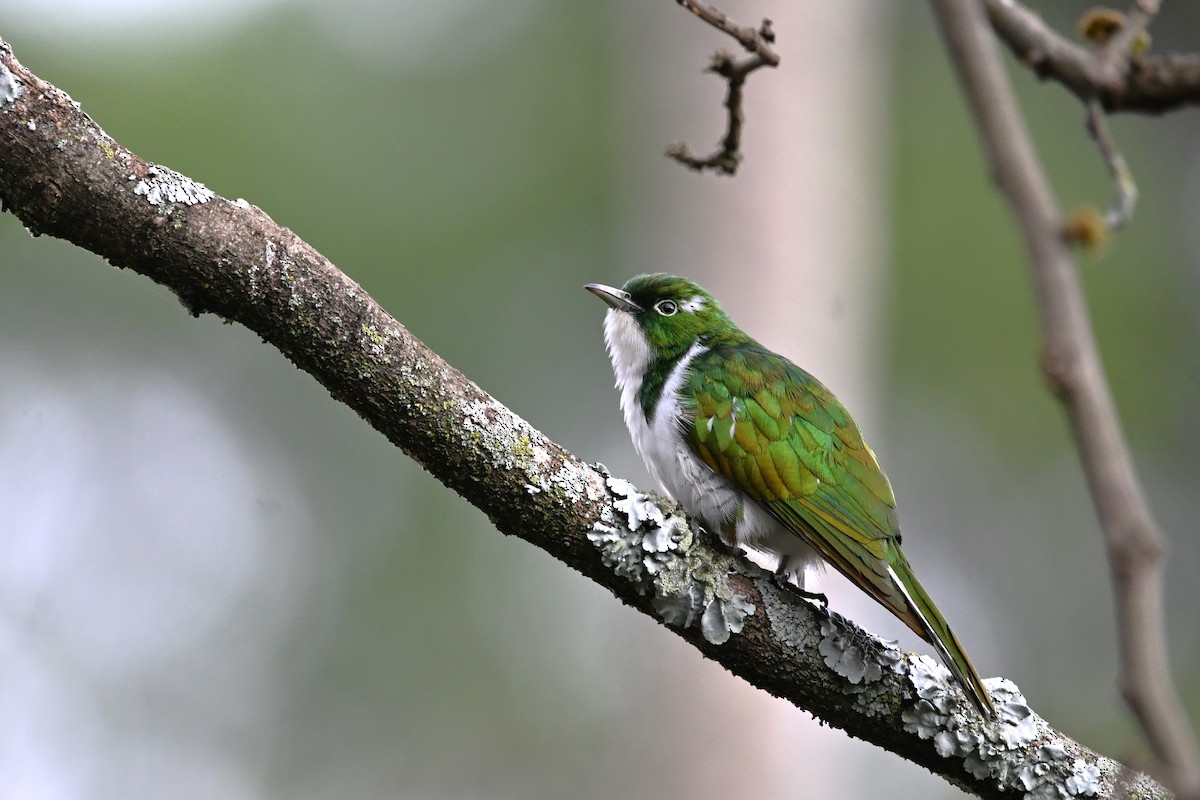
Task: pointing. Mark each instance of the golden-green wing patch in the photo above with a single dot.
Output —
(781, 437)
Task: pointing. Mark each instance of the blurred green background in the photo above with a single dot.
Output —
(221, 583)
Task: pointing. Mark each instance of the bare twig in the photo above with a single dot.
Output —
(1150, 84)
(1121, 212)
(755, 41)
(63, 176)
(758, 43)
(1118, 37)
(1073, 367)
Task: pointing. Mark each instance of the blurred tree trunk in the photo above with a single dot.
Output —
(795, 247)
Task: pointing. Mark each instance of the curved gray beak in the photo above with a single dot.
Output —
(615, 298)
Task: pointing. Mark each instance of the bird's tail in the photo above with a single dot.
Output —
(930, 625)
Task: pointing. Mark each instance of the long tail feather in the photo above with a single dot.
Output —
(931, 626)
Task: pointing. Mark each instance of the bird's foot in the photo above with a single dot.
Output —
(781, 580)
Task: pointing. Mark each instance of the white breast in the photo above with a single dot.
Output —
(702, 492)
(687, 479)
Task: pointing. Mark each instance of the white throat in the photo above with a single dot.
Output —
(659, 442)
(630, 355)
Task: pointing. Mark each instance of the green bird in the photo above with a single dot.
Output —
(760, 452)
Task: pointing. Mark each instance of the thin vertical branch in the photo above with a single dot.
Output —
(1121, 212)
(1074, 370)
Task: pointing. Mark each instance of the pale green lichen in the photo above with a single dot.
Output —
(856, 655)
(514, 445)
(642, 547)
(567, 485)
(723, 618)
(377, 342)
(1017, 750)
(1084, 780)
(652, 548)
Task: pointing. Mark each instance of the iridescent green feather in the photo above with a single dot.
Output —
(777, 435)
(782, 438)
(749, 405)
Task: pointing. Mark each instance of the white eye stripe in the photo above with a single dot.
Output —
(669, 308)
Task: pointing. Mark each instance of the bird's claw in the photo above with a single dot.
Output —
(781, 580)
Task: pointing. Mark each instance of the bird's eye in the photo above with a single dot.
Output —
(666, 307)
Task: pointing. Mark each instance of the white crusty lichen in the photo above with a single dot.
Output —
(10, 87)
(1018, 750)
(162, 186)
(651, 547)
(856, 655)
(511, 443)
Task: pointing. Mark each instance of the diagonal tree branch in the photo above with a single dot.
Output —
(63, 176)
(1073, 368)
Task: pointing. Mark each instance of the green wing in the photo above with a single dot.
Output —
(781, 437)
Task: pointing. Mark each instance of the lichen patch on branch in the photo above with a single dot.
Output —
(1019, 750)
(651, 546)
(10, 87)
(162, 185)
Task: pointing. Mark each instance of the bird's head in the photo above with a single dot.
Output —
(659, 315)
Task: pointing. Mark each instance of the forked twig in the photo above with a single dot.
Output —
(758, 43)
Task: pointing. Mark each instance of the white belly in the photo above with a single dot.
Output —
(713, 500)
